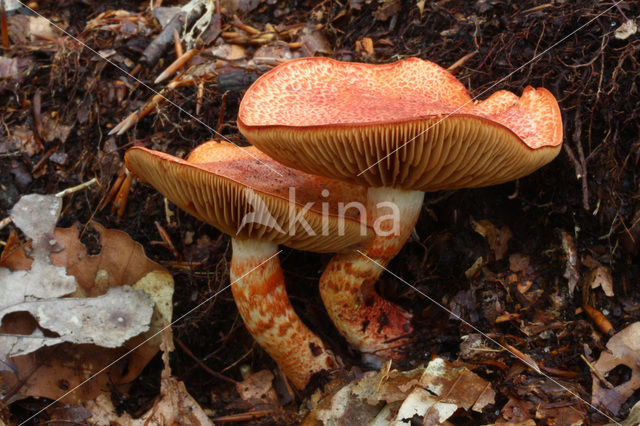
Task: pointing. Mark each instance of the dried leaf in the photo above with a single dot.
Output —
(433, 392)
(601, 277)
(387, 9)
(8, 67)
(52, 130)
(314, 41)
(102, 298)
(632, 420)
(571, 252)
(41, 26)
(258, 388)
(498, 238)
(622, 349)
(626, 30)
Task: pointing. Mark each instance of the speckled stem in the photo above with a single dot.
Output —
(370, 323)
(260, 294)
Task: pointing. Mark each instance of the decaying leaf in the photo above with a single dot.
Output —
(571, 252)
(258, 388)
(108, 299)
(498, 238)
(433, 393)
(174, 406)
(601, 277)
(632, 420)
(626, 30)
(622, 349)
(386, 9)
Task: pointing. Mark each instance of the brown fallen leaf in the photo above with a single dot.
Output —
(601, 277)
(498, 238)
(622, 349)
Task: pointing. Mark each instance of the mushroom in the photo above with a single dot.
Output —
(260, 204)
(401, 129)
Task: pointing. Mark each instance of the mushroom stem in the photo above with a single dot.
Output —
(370, 323)
(260, 294)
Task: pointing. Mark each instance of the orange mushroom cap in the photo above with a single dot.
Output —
(245, 193)
(408, 125)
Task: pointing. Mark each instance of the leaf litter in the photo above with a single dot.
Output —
(432, 392)
(53, 293)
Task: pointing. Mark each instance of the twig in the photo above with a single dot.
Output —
(597, 373)
(4, 222)
(460, 62)
(243, 417)
(76, 188)
(176, 65)
(579, 162)
(177, 43)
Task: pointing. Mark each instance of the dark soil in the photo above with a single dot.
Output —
(567, 47)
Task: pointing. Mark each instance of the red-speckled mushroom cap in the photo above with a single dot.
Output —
(338, 119)
(224, 185)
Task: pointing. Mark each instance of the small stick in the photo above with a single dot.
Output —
(199, 97)
(243, 417)
(525, 359)
(136, 116)
(120, 202)
(204, 366)
(76, 188)
(4, 28)
(176, 65)
(37, 113)
(177, 43)
(135, 70)
(453, 68)
(4, 222)
(167, 240)
(597, 373)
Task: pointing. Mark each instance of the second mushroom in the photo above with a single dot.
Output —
(247, 195)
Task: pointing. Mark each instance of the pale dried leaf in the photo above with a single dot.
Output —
(626, 30)
(622, 349)
(41, 26)
(434, 393)
(36, 215)
(258, 387)
(11, 5)
(107, 320)
(16, 345)
(8, 67)
(314, 41)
